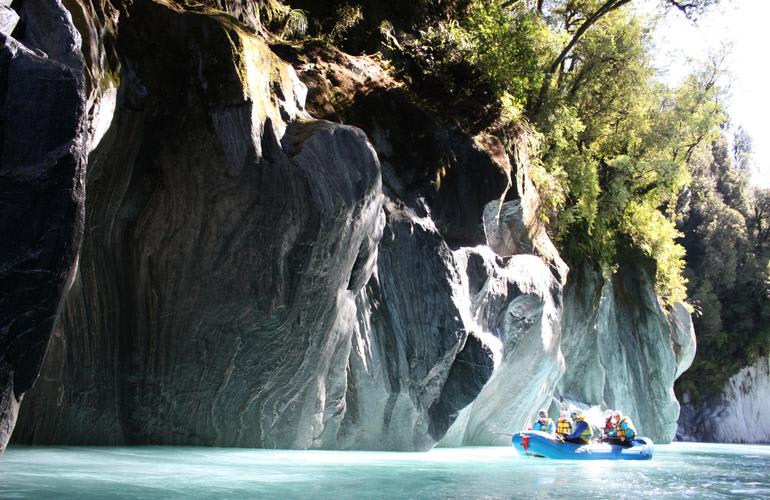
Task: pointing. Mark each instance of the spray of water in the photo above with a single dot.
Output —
(594, 415)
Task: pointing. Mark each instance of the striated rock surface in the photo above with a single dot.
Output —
(233, 288)
(228, 235)
(409, 332)
(740, 414)
(42, 169)
(622, 350)
(682, 337)
(254, 274)
(516, 303)
(450, 186)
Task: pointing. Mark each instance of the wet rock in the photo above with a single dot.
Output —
(407, 339)
(516, 303)
(471, 370)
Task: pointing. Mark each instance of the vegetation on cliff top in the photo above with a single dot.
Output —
(624, 160)
(615, 141)
(627, 160)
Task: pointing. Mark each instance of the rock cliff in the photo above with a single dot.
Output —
(255, 273)
(738, 416)
(622, 350)
(42, 186)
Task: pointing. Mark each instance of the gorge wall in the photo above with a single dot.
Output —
(618, 331)
(42, 186)
(253, 272)
(739, 415)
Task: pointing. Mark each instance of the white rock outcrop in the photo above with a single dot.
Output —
(741, 413)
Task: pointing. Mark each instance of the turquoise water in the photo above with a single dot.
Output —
(677, 471)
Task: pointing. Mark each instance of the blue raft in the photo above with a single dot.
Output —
(545, 445)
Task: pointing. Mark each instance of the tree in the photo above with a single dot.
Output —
(615, 141)
(727, 268)
(742, 148)
(591, 13)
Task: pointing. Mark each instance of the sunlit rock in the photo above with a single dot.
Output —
(516, 303)
(8, 17)
(622, 349)
(740, 413)
(407, 339)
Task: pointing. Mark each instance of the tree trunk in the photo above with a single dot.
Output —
(607, 7)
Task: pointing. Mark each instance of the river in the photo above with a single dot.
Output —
(679, 470)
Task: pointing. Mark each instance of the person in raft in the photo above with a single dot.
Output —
(564, 425)
(609, 422)
(624, 431)
(543, 423)
(582, 433)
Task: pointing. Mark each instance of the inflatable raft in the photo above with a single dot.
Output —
(545, 445)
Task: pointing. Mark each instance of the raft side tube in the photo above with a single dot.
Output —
(536, 443)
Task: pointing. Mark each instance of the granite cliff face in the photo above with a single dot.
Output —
(254, 273)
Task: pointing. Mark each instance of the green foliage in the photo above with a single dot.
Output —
(549, 184)
(510, 46)
(295, 24)
(623, 141)
(347, 16)
(615, 142)
(728, 266)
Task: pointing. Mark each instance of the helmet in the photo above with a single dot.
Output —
(542, 413)
(576, 413)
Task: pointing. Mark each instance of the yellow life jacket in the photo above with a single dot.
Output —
(564, 426)
(622, 432)
(588, 433)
